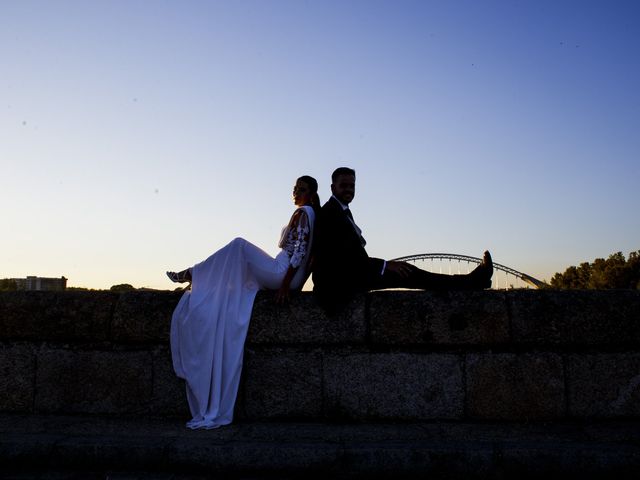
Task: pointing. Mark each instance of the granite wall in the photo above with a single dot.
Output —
(506, 356)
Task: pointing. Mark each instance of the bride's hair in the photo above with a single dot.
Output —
(313, 186)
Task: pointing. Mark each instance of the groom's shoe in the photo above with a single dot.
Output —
(481, 275)
(487, 263)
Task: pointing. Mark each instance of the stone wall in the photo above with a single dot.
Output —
(392, 356)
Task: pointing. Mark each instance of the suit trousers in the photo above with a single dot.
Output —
(422, 280)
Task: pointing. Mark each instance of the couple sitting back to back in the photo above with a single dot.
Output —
(209, 325)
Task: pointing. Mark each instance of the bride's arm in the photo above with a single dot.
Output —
(282, 295)
(300, 234)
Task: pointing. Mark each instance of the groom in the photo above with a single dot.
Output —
(343, 268)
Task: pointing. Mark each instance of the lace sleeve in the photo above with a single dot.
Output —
(299, 237)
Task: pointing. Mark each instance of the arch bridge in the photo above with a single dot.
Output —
(528, 279)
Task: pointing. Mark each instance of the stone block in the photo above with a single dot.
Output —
(393, 386)
(169, 396)
(438, 318)
(510, 386)
(56, 316)
(285, 459)
(302, 321)
(278, 383)
(419, 460)
(114, 382)
(144, 316)
(604, 385)
(17, 378)
(589, 461)
(575, 317)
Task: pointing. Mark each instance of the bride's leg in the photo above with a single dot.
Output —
(261, 268)
(267, 271)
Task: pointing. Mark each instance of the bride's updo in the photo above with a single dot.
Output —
(313, 186)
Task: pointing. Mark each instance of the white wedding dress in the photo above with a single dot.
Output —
(210, 322)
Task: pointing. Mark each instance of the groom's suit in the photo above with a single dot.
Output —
(341, 264)
(343, 268)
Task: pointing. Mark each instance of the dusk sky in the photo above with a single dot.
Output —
(140, 136)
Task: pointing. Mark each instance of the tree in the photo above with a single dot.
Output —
(8, 285)
(615, 272)
(123, 287)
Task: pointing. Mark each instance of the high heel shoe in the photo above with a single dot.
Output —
(180, 277)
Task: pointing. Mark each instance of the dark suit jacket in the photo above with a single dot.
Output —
(341, 264)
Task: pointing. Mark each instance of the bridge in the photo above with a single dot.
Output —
(528, 279)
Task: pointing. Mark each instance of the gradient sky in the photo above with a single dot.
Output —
(140, 136)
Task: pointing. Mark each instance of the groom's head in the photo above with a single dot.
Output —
(343, 184)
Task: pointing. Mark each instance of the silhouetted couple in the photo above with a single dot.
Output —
(210, 323)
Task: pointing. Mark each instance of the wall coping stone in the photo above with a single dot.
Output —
(518, 318)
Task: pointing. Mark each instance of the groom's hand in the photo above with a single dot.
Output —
(400, 268)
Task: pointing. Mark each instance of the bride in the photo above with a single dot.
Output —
(210, 322)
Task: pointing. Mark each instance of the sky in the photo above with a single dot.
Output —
(141, 136)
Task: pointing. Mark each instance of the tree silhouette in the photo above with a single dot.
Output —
(123, 287)
(8, 285)
(615, 272)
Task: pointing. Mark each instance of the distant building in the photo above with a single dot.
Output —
(32, 283)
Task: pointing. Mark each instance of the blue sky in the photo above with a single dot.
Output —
(139, 136)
